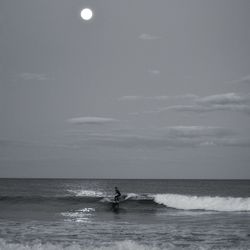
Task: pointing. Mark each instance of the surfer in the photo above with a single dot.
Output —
(118, 195)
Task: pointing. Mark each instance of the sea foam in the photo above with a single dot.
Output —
(87, 193)
(203, 202)
(120, 245)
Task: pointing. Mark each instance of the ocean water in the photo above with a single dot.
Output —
(156, 214)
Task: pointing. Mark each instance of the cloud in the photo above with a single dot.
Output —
(197, 131)
(234, 142)
(155, 98)
(168, 137)
(242, 80)
(223, 99)
(91, 120)
(245, 79)
(220, 102)
(146, 36)
(202, 109)
(32, 76)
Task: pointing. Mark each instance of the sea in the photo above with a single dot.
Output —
(74, 214)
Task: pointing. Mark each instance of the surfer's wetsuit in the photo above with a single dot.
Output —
(118, 194)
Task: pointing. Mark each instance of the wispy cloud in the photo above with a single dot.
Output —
(33, 76)
(146, 36)
(202, 108)
(224, 99)
(155, 98)
(196, 131)
(91, 120)
(242, 80)
(219, 102)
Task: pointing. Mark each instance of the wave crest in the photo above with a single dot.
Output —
(203, 202)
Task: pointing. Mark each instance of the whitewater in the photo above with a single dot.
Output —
(203, 202)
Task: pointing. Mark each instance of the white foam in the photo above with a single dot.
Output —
(131, 195)
(106, 199)
(122, 245)
(87, 193)
(203, 202)
(37, 246)
(128, 196)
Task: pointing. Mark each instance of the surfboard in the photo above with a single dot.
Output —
(115, 205)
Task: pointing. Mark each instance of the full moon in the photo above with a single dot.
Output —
(86, 14)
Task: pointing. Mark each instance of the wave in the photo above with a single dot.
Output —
(131, 196)
(216, 203)
(140, 201)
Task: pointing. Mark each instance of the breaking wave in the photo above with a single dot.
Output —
(144, 201)
(203, 202)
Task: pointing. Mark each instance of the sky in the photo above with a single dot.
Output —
(145, 89)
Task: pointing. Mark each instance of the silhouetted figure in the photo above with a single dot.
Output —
(118, 195)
